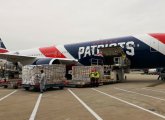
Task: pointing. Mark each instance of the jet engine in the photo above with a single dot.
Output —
(51, 61)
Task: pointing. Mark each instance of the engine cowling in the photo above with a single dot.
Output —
(50, 61)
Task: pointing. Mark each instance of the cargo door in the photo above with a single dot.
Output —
(112, 55)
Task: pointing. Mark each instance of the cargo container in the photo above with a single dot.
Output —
(81, 75)
(10, 76)
(54, 76)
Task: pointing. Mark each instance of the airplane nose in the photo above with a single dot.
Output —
(159, 36)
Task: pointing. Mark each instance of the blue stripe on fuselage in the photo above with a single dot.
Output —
(138, 52)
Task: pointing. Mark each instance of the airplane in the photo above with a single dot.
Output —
(144, 51)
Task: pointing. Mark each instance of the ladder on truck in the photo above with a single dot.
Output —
(96, 61)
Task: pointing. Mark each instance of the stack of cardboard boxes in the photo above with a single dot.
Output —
(81, 74)
(53, 73)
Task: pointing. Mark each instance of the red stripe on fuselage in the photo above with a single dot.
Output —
(159, 36)
(51, 51)
(3, 50)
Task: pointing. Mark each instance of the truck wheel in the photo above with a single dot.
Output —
(61, 87)
(15, 87)
(5, 86)
(26, 88)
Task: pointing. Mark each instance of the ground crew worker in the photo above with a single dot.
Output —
(42, 81)
(94, 77)
(97, 76)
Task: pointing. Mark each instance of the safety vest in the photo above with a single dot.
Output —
(97, 75)
(92, 74)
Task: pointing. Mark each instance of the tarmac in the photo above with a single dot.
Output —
(139, 97)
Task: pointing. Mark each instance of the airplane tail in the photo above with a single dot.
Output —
(2, 47)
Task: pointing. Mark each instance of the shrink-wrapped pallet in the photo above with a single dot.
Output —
(83, 72)
(53, 73)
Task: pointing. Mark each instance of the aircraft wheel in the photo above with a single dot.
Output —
(61, 87)
(5, 86)
(26, 88)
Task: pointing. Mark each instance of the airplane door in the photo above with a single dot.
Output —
(154, 45)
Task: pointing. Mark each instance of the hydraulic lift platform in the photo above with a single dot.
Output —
(116, 58)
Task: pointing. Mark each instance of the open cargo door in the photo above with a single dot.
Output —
(112, 51)
(114, 55)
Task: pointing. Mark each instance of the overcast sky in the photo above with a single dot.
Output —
(33, 23)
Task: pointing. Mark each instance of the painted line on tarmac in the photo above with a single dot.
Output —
(140, 94)
(154, 113)
(33, 115)
(153, 90)
(86, 106)
(8, 95)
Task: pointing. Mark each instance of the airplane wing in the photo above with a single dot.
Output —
(25, 60)
(17, 58)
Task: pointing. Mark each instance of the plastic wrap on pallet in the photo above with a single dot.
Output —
(53, 73)
(83, 72)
